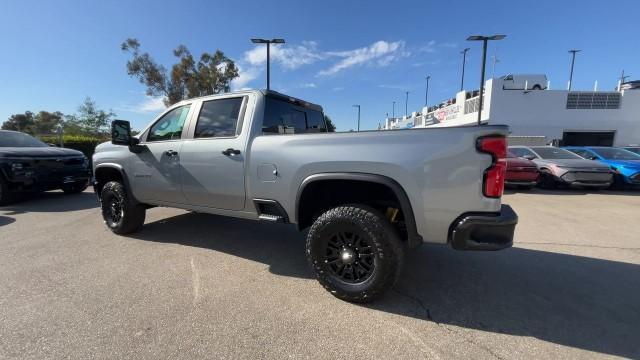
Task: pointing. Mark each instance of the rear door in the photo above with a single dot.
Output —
(213, 158)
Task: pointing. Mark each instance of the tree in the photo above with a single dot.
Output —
(212, 74)
(47, 122)
(89, 119)
(330, 126)
(19, 122)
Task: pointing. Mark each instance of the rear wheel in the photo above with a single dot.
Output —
(537, 87)
(120, 214)
(355, 253)
(76, 187)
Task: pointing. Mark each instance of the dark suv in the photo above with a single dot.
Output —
(29, 165)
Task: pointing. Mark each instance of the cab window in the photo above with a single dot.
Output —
(281, 117)
(169, 127)
(218, 118)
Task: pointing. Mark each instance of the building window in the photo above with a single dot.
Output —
(593, 100)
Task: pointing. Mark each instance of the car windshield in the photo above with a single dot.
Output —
(555, 153)
(616, 154)
(18, 139)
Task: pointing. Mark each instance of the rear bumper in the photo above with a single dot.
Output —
(484, 231)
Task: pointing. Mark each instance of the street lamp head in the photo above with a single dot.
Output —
(483, 38)
(265, 41)
(465, 50)
(428, 77)
(574, 51)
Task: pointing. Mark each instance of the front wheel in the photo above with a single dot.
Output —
(355, 253)
(120, 214)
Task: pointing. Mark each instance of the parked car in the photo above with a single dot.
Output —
(562, 167)
(633, 149)
(524, 82)
(521, 173)
(625, 164)
(366, 197)
(29, 165)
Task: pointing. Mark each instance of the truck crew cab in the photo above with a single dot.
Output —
(366, 197)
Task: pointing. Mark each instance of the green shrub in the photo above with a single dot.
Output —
(86, 144)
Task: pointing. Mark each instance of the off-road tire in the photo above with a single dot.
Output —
(372, 228)
(75, 188)
(120, 214)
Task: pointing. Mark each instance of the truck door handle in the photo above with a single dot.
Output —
(231, 152)
(171, 153)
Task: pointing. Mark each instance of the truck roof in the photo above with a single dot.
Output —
(264, 92)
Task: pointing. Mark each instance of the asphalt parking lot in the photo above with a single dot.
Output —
(191, 285)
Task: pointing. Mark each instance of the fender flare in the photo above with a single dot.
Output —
(414, 239)
(123, 175)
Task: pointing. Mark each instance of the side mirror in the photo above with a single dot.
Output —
(593, 158)
(121, 133)
(529, 157)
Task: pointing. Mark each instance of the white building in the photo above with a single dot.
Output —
(608, 118)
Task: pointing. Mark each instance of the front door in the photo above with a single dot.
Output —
(213, 161)
(156, 169)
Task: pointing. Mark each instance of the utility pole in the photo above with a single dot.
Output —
(268, 42)
(426, 92)
(358, 106)
(406, 104)
(464, 61)
(393, 114)
(573, 60)
(494, 60)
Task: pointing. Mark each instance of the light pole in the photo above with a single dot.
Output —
(464, 61)
(406, 104)
(268, 42)
(393, 113)
(358, 106)
(573, 60)
(426, 92)
(484, 40)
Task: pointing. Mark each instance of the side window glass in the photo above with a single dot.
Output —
(218, 118)
(516, 151)
(169, 127)
(315, 122)
(281, 117)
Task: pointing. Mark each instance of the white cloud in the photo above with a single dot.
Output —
(151, 104)
(290, 57)
(381, 53)
(308, 86)
(245, 76)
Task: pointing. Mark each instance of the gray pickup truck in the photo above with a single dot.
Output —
(365, 197)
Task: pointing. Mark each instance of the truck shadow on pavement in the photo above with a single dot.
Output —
(569, 300)
(51, 201)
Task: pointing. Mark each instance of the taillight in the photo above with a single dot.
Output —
(493, 182)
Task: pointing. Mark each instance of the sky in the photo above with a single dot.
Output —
(53, 54)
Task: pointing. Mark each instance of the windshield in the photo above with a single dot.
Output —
(555, 153)
(18, 139)
(616, 154)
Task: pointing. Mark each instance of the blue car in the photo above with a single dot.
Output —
(624, 163)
